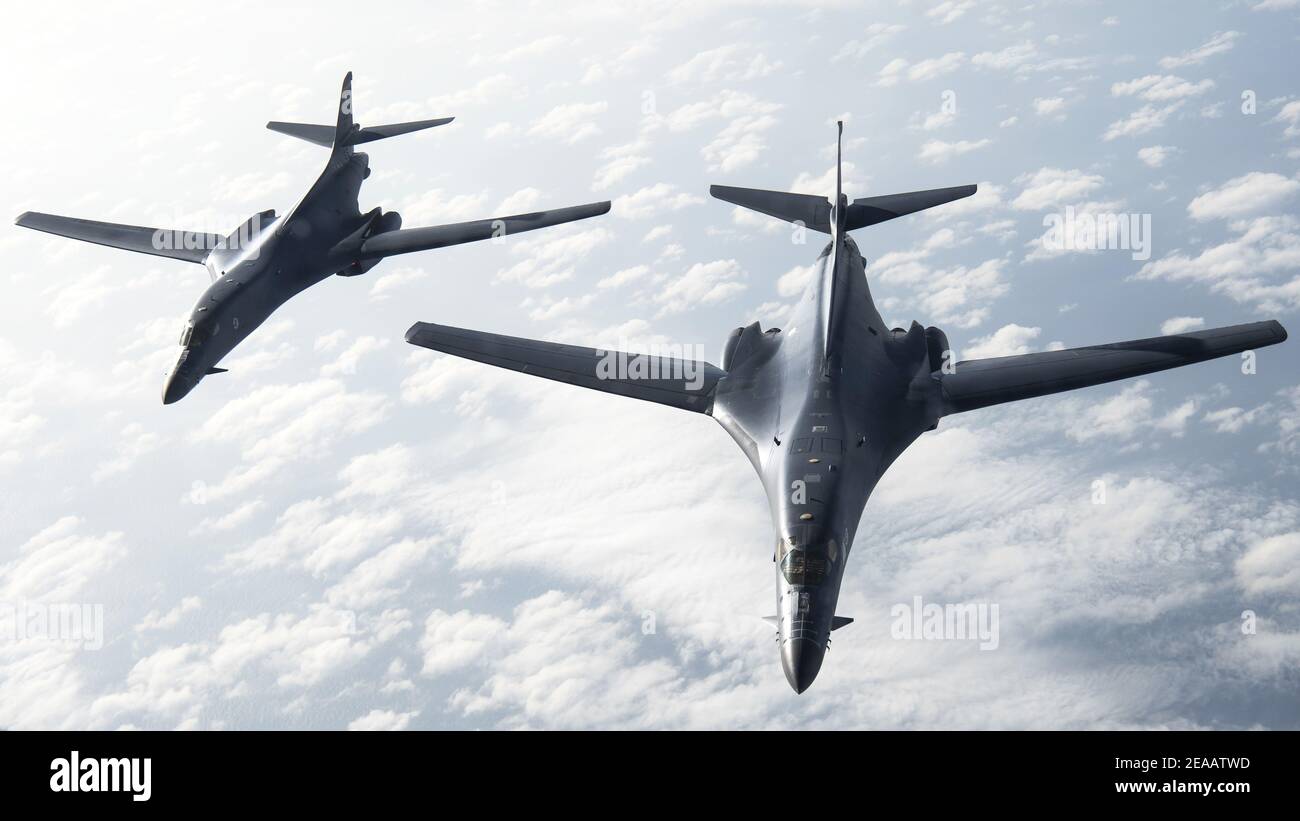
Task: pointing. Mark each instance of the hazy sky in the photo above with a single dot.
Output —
(345, 530)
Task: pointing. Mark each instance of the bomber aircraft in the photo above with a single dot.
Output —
(269, 259)
(823, 406)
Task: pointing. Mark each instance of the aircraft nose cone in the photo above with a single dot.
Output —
(801, 659)
(176, 388)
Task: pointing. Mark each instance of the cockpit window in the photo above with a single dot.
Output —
(193, 336)
(801, 566)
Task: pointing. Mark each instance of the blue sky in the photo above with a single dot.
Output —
(347, 531)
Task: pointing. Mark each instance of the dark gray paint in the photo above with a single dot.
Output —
(827, 403)
(323, 235)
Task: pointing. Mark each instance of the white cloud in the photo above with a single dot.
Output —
(928, 69)
(1009, 340)
(1145, 119)
(1156, 155)
(136, 441)
(158, 620)
(1241, 196)
(620, 162)
(1246, 267)
(794, 281)
(1290, 114)
(58, 563)
(346, 362)
(652, 201)
(733, 62)
(1048, 187)
(1049, 106)
(940, 151)
(1008, 58)
(383, 720)
(624, 276)
(489, 90)
(1221, 42)
(1181, 324)
(876, 35)
(948, 11)
(1271, 567)
(1159, 88)
(550, 257)
(452, 641)
(704, 283)
(391, 282)
(1235, 419)
(570, 123)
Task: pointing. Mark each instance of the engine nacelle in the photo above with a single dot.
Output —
(741, 344)
(936, 343)
(729, 348)
(360, 267)
(388, 221)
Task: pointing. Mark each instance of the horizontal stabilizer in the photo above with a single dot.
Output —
(406, 240)
(190, 246)
(978, 383)
(871, 210)
(324, 134)
(318, 134)
(836, 621)
(806, 209)
(679, 383)
(815, 212)
(214, 369)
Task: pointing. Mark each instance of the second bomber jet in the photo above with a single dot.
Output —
(825, 405)
(269, 259)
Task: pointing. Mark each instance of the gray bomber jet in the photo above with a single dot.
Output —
(269, 259)
(825, 405)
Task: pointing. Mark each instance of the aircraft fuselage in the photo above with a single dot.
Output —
(280, 259)
(822, 407)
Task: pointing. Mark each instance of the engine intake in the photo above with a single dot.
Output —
(741, 344)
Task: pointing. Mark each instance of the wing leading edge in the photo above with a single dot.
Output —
(678, 383)
(190, 246)
(978, 383)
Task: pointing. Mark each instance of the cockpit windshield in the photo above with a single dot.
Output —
(802, 565)
(192, 336)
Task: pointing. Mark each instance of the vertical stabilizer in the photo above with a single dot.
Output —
(343, 130)
(841, 205)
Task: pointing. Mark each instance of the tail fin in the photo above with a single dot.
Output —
(345, 133)
(840, 207)
(345, 125)
(839, 216)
